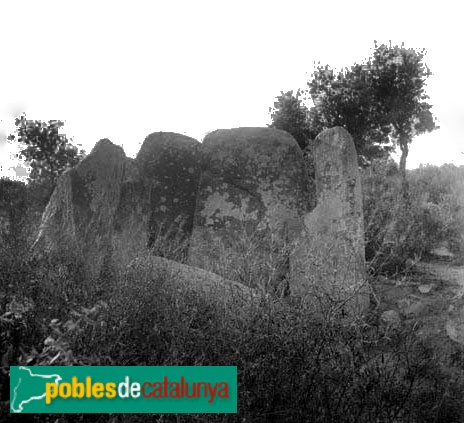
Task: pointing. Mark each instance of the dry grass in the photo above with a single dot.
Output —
(293, 364)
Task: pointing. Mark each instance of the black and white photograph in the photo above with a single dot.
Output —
(231, 211)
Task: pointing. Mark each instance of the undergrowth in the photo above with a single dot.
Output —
(292, 365)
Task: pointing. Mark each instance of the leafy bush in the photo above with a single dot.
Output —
(443, 191)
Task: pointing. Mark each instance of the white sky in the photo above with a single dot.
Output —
(121, 70)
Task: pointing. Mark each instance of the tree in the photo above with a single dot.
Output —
(381, 102)
(347, 98)
(291, 115)
(45, 149)
(399, 85)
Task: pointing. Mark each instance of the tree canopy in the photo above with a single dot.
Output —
(347, 98)
(291, 115)
(381, 102)
(399, 79)
(45, 149)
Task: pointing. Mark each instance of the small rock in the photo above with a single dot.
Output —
(414, 309)
(391, 318)
(410, 263)
(442, 251)
(425, 289)
(455, 330)
(403, 303)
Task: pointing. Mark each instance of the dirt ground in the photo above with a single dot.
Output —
(430, 298)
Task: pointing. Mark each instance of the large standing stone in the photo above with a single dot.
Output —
(159, 193)
(252, 195)
(328, 263)
(79, 216)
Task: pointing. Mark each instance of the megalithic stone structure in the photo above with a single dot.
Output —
(241, 197)
(79, 217)
(252, 195)
(328, 262)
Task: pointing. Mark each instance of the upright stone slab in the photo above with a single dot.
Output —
(159, 192)
(131, 231)
(328, 263)
(252, 195)
(79, 216)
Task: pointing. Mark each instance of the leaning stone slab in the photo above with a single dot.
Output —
(220, 290)
(252, 194)
(328, 262)
(79, 217)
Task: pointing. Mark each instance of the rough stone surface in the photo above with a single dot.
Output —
(134, 201)
(252, 195)
(169, 165)
(158, 197)
(197, 280)
(131, 231)
(328, 260)
(426, 288)
(79, 216)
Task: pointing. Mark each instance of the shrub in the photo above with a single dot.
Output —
(399, 229)
(443, 192)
